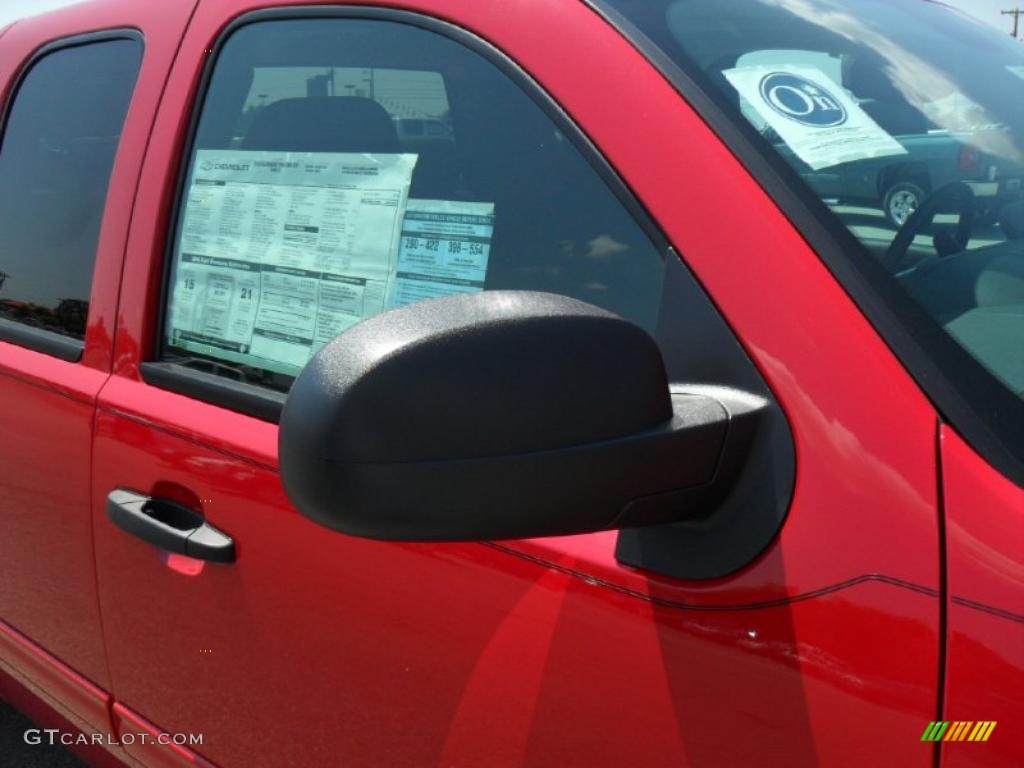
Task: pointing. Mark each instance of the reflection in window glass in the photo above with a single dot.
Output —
(343, 168)
(905, 118)
(55, 162)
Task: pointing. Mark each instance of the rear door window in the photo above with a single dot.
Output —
(59, 141)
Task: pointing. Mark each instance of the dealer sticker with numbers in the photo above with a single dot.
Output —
(444, 249)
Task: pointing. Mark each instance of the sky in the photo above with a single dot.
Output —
(14, 9)
(989, 10)
(986, 10)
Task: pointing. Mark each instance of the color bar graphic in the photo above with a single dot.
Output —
(958, 730)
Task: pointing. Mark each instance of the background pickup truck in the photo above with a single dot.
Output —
(898, 185)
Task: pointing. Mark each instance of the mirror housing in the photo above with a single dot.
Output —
(504, 415)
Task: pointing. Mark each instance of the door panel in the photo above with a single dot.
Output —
(48, 587)
(47, 405)
(503, 654)
(542, 652)
(985, 561)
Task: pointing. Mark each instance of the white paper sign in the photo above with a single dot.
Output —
(445, 248)
(813, 115)
(280, 252)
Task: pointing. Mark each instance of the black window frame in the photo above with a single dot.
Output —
(938, 365)
(267, 404)
(41, 340)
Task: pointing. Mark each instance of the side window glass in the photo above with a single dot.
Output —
(345, 167)
(57, 152)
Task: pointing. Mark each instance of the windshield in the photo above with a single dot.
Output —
(905, 118)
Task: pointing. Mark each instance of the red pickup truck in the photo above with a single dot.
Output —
(576, 430)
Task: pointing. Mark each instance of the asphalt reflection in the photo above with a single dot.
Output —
(874, 230)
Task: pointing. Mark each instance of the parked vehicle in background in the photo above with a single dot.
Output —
(933, 160)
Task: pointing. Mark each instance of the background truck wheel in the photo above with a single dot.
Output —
(900, 202)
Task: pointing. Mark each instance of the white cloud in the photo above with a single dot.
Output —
(988, 11)
(919, 81)
(603, 247)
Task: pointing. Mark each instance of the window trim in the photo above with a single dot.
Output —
(262, 403)
(48, 342)
(925, 350)
(66, 348)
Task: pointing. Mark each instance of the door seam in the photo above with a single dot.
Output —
(943, 589)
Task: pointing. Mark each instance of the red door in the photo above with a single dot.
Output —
(313, 647)
(87, 86)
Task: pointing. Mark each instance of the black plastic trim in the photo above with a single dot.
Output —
(992, 421)
(249, 399)
(169, 525)
(37, 339)
(506, 65)
(40, 340)
(944, 596)
(71, 41)
(564, 406)
(702, 354)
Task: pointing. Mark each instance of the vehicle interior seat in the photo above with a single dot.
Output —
(323, 124)
(946, 242)
(978, 297)
(349, 124)
(1011, 220)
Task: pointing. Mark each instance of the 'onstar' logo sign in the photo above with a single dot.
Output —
(802, 100)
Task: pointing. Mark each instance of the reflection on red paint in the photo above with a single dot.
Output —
(498, 701)
(183, 564)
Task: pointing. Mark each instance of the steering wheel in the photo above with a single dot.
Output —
(956, 195)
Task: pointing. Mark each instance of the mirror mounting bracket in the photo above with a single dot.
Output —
(699, 348)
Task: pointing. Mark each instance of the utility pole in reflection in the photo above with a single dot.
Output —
(1016, 13)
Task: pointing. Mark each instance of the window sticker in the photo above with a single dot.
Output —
(816, 118)
(445, 248)
(282, 251)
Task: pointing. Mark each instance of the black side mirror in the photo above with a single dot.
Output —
(502, 415)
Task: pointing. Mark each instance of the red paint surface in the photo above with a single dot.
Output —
(316, 648)
(48, 584)
(144, 742)
(985, 546)
(33, 667)
(380, 645)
